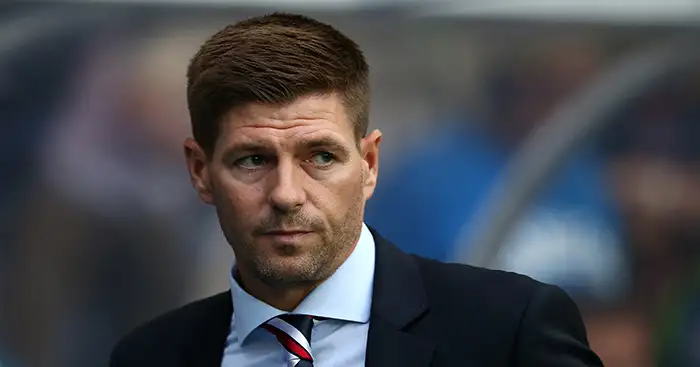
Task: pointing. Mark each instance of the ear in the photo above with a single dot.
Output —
(369, 148)
(199, 168)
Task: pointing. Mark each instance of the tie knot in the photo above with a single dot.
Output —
(303, 323)
(294, 334)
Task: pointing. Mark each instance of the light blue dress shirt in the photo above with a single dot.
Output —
(345, 299)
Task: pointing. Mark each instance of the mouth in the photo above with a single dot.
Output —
(285, 232)
(288, 236)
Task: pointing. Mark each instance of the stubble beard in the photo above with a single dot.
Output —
(328, 252)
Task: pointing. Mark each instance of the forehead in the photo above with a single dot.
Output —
(308, 117)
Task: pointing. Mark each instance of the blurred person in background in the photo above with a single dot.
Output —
(30, 93)
(622, 335)
(654, 154)
(112, 224)
(569, 237)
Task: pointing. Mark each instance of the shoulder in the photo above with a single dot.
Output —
(441, 277)
(498, 297)
(486, 287)
(509, 315)
(174, 330)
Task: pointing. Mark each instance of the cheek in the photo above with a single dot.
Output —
(338, 195)
(237, 200)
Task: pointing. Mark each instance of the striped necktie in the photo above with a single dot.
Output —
(294, 334)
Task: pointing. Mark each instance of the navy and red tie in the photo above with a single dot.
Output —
(294, 334)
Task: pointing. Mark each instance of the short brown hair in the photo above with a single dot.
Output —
(274, 58)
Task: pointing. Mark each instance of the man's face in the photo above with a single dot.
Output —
(289, 183)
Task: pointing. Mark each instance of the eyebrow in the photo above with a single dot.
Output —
(247, 146)
(309, 144)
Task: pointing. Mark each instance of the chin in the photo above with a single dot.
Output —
(291, 269)
(285, 276)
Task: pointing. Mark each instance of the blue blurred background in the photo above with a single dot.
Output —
(556, 139)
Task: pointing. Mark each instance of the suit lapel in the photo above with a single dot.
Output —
(209, 334)
(398, 300)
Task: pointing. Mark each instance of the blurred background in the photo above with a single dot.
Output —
(559, 139)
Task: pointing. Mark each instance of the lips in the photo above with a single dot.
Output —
(286, 232)
(287, 237)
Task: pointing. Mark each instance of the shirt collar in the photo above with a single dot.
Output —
(345, 295)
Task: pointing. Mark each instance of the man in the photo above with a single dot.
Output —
(279, 107)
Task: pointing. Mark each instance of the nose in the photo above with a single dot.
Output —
(288, 193)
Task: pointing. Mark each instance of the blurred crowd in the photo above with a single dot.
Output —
(100, 229)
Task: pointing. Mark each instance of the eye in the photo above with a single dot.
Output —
(323, 159)
(251, 162)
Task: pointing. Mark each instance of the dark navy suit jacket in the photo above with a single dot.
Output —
(424, 313)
